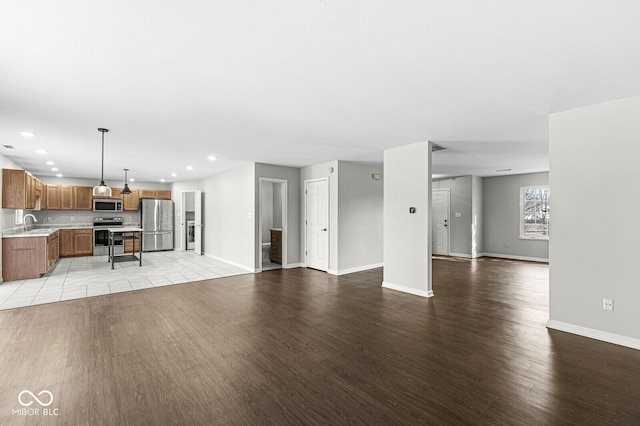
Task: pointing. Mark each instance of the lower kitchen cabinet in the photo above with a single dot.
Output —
(131, 245)
(76, 242)
(275, 253)
(28, 257)
(53, 249)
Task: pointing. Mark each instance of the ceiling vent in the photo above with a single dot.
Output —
(435, 147)
(9, 146)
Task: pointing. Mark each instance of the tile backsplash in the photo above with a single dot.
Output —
(58, 217)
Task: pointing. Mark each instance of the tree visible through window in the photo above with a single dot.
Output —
(534, 212)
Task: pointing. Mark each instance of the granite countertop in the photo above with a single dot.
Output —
(41, 231)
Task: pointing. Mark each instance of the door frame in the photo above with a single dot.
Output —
(304, 218)
(183, 221)
(285, 204)
(448, 192)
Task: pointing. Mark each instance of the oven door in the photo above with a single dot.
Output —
(101, 243)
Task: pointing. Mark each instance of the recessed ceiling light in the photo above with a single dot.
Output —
(132, 180)
(212, 158)
(173, 175)
(189, 168)
(41, 151)
(50, 163)
(27, 133)
(54, 169)
(59, 175)
(162, 180)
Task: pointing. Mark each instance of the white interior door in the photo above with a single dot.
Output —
(440, 220)
(317, 224)
(198, 222)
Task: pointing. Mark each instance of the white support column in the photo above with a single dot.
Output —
(407, 219)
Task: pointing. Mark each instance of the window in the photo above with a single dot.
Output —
(534, 212)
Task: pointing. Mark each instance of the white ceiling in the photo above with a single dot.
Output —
(302, 82)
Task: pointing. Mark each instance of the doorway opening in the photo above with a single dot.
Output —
(272, 224)
(191, 221)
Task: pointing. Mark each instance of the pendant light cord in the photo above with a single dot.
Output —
(102, 171)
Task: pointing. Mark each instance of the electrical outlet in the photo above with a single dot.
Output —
(607, 304)
(50, 219)
(72, 219)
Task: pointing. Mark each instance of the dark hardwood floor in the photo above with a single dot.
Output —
(303, 347)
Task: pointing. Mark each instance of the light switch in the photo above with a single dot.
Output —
(458, 214)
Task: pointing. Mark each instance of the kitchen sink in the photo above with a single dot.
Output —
(41, 231)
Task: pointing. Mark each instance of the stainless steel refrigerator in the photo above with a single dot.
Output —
(156, 218)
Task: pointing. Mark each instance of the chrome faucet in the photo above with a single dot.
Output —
(24, 220)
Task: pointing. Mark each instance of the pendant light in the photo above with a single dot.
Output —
(102, 190)
(126, 189)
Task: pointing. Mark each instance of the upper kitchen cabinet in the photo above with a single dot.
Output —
(131, 202)
(51, 197)
(66, 197)
(20, 190)
(62, 197)
(83, 198)
(159, 194)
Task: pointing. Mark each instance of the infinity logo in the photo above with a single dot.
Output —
(44, 404)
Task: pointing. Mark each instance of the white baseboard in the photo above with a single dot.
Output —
(466, 256)
(237, 265)
(293, 265)
(510, 256)
(410, 290)
(591, 333)
(356, 269)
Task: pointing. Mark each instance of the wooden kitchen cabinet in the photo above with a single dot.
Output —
(28, 257)
(76, 242)
(82, 198)
(52, 197)
(53, 249)
(20, 190)
(158, 194)
(131, 202)
(66, 197)
(275, 253)
(131, 245)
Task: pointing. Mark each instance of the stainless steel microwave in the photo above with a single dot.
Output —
(100, 205)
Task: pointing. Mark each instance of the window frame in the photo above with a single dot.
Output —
(521, 220)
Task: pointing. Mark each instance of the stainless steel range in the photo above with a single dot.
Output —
(101, 235)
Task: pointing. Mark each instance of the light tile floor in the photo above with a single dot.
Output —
(78, 277)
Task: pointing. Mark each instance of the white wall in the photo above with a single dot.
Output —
(266, 213)
(594, 181)
(407, 237)
(319, 171)
(229, 210)
(360, 217)
(278, 200)
(502, 217)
